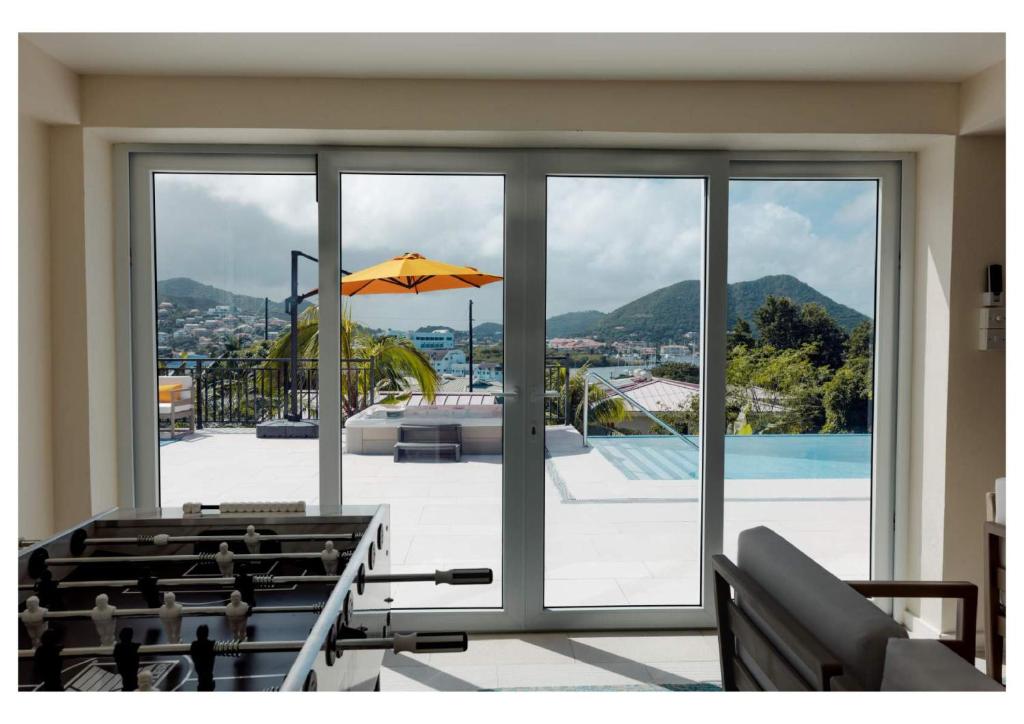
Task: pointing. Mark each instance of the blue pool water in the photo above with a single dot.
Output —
(662, 457)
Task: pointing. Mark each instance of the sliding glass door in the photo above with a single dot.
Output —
(621, 511)
(585, 370)
(431, 424)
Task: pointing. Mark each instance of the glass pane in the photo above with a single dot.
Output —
(800, 366)
(223, 267)
(623, 493)
(422, 364)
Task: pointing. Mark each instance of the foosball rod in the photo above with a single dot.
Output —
(179, 557)
(185, 611)
(455, 577)
(434, 642)
(165, 539)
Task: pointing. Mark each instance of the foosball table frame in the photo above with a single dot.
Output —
(342, 650)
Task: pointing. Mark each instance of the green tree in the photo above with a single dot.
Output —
(780, 323)
(680, 371)
(740, 335)
(847, 398)
(861, 340)
(822, 331)
(776, 391)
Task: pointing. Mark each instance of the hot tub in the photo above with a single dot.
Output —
(374, 431)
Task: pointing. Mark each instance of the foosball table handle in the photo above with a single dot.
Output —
(435, 642)
(465, 576)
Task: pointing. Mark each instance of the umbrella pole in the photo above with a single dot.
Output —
(470, 345)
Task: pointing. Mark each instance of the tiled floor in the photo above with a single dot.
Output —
(555, 660)
(609, 540)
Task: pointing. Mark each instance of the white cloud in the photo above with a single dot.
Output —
(287, 199)
(860, 210)
(768, 238)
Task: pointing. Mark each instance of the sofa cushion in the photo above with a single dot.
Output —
(852, 628)
(927, 665)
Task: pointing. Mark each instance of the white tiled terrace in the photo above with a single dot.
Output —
(609, 540)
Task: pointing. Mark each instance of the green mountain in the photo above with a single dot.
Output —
(666, 314)
(573, 324)
(189, 294)
(486, 330)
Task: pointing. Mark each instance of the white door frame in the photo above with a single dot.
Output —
(887, 173)
(135, 276)
(335, 162)
(713, 168)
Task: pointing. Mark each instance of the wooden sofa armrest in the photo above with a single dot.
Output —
(733, 620)
(967, 610)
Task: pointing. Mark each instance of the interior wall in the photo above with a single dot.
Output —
(47, 96)
(521, 106)
(101, 321)
(69, 329)
(976, 414)
(930, 370)
(35, 441)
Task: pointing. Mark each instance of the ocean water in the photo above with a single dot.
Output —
(747, 457)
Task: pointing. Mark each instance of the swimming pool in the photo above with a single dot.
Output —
(747, 457)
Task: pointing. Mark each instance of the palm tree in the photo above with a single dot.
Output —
(605, 409)
(393, 360)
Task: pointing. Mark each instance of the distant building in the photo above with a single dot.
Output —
(574, 343)
(487, 372)
(437, 339)
(448, 361)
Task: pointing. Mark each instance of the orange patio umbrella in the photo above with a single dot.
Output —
(412, 273)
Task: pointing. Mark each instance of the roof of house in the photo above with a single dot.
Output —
(658, 394)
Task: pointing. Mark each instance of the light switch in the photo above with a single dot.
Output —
(992, 317)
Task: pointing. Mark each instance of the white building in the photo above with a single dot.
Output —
(487, 372)
(448, 361)
(437, 339)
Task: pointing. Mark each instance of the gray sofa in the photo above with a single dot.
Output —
(792, 625)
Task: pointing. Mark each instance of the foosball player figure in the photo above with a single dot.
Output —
(126, 658)
(225, 560)
(34, 619)
(47, 662)
(103, 618)
(252, 539)
(147, 584)
(329, 557)
(48, 591)
(237, 612)
(170, 617)
(203, 656)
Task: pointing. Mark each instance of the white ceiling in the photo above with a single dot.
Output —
(664, 56)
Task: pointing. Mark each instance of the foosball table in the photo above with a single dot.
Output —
(228, 597)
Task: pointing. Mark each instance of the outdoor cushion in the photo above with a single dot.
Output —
(852, 628)
(927, 665)
(166, 408)
(167, 392)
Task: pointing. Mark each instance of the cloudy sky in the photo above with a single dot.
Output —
(610, 240)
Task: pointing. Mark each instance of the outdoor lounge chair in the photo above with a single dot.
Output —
(434, 440)
(176, 402)
(793, 626)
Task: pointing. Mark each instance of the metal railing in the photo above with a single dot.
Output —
(243, 392)
(636, 405)
(557, 373)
